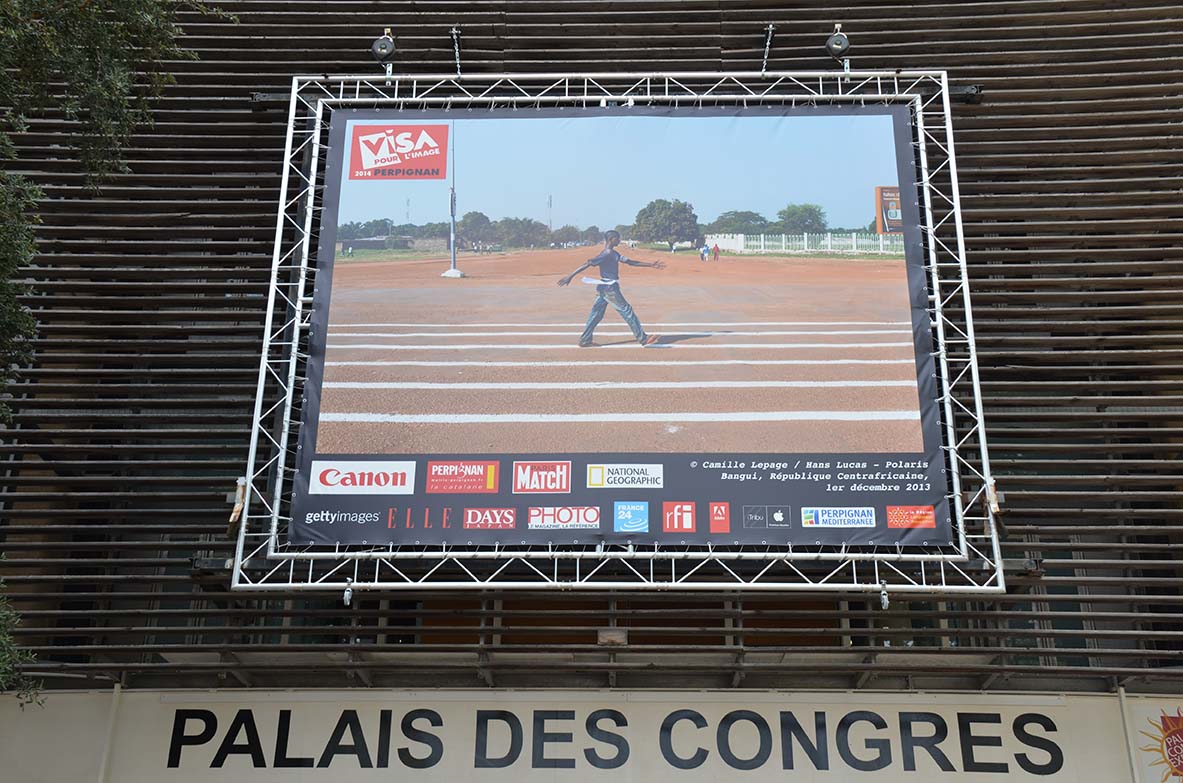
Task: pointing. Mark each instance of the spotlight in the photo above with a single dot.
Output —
(838, 45)
(383, 47)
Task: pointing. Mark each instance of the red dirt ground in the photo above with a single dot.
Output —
(403, 311)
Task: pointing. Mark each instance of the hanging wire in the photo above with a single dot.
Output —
(769, 30)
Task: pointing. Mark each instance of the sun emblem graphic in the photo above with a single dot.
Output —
(1168, 744)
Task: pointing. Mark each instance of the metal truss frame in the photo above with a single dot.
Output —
(264, 561)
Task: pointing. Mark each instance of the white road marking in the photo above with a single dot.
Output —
(580, 324)
(611, 363)
(605, 333)
(572, 346)
(526, 385)
(594, 418)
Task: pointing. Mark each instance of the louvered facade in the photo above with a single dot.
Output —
(133, 423)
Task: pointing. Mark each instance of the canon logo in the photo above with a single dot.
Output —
(361, 478)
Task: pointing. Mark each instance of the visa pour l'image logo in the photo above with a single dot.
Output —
(399, 152)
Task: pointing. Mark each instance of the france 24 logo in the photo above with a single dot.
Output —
(399, 152)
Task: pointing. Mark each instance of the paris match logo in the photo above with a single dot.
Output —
(399, 152)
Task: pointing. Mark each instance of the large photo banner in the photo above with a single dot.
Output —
(622, 325)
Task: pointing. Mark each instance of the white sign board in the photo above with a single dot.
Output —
(527, 736)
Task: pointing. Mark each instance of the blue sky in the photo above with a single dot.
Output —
(602, 170)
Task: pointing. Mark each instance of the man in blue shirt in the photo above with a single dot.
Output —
(608, 290)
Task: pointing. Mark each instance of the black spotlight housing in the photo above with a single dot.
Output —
(383, 47)
(838, 45)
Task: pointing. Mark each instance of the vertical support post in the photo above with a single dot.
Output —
(112, 722)
(452, 270)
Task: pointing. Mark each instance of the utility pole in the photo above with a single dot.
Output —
(550, 202)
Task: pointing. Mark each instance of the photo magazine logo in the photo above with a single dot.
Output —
(399, 152)
(563, 518)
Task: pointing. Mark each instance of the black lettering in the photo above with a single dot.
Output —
(667, 744)
(385, 722)
(883, 757)
(909, 741)
(244, 721)
(481, 758)
(435, 744)
(282, 760)
(1055, 760)
(723, 739)
(209, 727)
(357, 748)
(541, 736)
(600, 735)
(969, 741)
(816, 748)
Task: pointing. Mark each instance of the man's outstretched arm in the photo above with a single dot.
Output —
(567, 280)
(659, 264)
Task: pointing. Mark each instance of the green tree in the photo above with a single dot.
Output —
(522, 232)
(625, 231)
(98, 64)
(474, 227)
(739, 222)
(12, 658)
(666, 221)
(565, 234)
(593, 234)
(801, 219)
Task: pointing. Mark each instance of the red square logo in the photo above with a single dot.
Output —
(399, 152)
(463, 478)
(911, 516)
(677, 517)
(720, 517)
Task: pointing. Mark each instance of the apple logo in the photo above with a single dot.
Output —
(779, 516)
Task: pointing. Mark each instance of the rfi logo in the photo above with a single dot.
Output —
(541, 478)
(399, 152)
(490, 518)
(630, 516)
(677, 517)
(720, 517)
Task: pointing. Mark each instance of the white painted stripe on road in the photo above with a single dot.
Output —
(572, 346)
(625, 385)
(599, 418)
(611, 363)
(580, 324)
(682, 335)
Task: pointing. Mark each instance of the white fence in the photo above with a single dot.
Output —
(830, 242)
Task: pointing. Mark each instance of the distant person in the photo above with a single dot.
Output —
(608, 291)
(704, 252)
(715, 251)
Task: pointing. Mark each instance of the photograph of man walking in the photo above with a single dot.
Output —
(608, 291)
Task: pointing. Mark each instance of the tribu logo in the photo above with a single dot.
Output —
(1168, 744)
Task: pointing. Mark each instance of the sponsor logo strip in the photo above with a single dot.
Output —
(677, 517)
(467, 478)
(625, 476)
(563, 518)
(837, 516)
(541, 478)
(333, 477)
(720, 517)
(911, 516)
(490, 518)
(630, 516)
